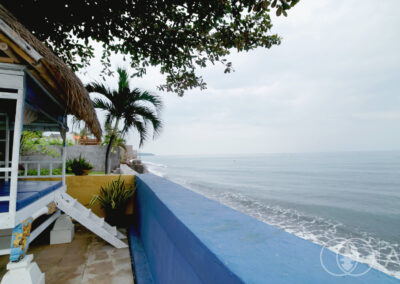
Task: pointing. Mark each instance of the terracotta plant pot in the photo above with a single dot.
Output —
(82, 172)
(86, 172)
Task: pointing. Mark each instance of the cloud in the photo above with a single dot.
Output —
(332, 85)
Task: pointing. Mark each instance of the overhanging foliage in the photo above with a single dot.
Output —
(178, 36)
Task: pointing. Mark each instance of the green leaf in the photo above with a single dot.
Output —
(166, 34)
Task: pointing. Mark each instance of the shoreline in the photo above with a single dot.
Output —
(250, 249)
(305, 231)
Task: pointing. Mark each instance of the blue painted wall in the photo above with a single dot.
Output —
(188, 238)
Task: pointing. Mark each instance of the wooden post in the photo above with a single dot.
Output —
(7, 160)
(64, 154)
(15, 153)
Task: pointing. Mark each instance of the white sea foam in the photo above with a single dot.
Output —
(154, 168)
(154, 164)
(379, 254)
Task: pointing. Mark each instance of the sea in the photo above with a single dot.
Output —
(332, 199)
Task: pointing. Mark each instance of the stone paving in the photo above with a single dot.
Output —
(88, 259)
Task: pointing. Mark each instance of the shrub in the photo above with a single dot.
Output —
(113, 199)
(68, 169)
(34, 142)
(43, 172)
(57, 171)
(79, 165)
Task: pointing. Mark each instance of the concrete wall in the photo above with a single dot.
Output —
(95, 154)
(126, 170)
(84, 187)
(129, 154)
(187, 238)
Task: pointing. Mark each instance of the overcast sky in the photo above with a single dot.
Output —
(332, 85)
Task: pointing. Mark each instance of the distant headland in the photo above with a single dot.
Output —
(146, 154)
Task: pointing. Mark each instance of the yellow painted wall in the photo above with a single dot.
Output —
(84, 187)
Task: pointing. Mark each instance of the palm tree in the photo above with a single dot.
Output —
(118, 141)
(134, 109)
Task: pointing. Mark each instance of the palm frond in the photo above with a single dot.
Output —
(136, 109)
(147, 97)
(100, 88)
(148, 116)
(123, 82)
(102, 104)
(141, 129)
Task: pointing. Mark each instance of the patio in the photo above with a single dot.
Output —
(87, 259)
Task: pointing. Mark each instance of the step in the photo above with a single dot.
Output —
(95, 224)
(100, 221)
(120, 235)
(88, 213)
(71, 202)
(111, 229)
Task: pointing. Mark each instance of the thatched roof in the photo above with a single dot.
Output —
(51, 71)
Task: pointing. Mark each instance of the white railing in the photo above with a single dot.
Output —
(35, 169)
(6, 169)
(27, 166)
(6, 141)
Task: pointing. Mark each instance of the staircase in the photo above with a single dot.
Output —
(84, 216)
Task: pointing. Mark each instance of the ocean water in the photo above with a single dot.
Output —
(327, 198)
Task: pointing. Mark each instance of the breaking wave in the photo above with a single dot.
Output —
(379, 254)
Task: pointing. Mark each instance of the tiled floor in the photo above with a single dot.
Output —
(88, 259)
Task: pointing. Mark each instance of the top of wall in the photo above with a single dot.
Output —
(253, 251)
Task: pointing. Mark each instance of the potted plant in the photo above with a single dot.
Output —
(79, 166)
(113, 198)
